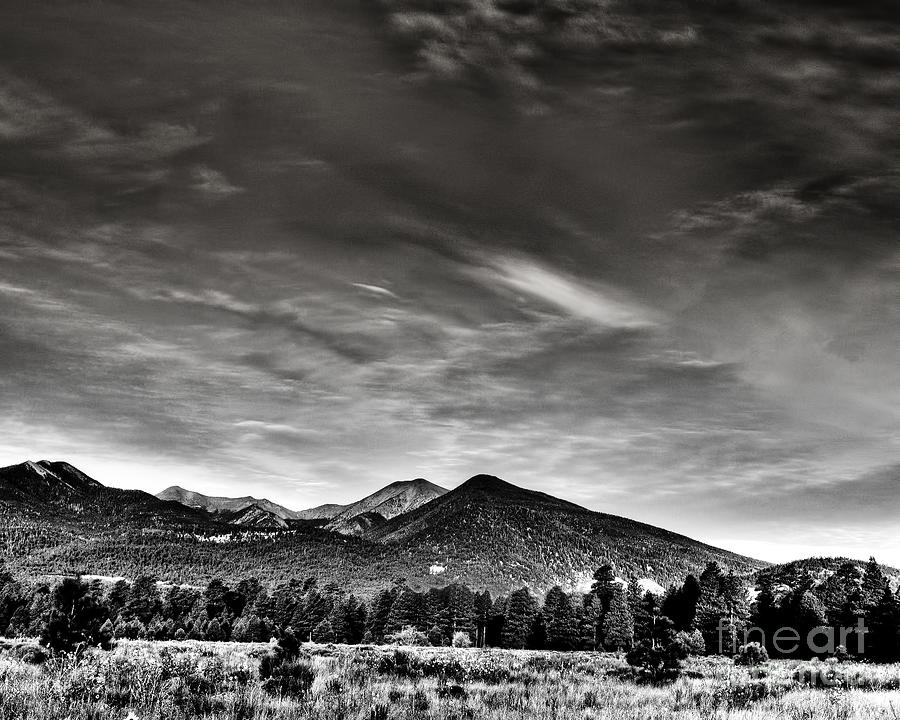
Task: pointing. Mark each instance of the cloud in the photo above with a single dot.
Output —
(595, 302)
(213, 182)
(375, 289)
(270, 428)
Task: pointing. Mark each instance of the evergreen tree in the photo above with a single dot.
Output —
(340, 626)
(589, 622)
(604, 586)
(76, 618)
(407, 611)
(143, 600)
(521, 609)
(355, 616)
(618, 624)
(214, 631)
(646, 616)
(559, 620)
(483, 604)
(460, 610)
(873, 584)
(537, 635)
(884, 624)
(323, 632)
(215, 598)
(378, 617)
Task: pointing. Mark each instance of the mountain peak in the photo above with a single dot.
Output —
(30, 476)
(487, 482)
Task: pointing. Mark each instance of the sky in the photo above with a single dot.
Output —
(647, 262)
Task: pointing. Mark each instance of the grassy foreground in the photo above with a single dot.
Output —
(167, 681)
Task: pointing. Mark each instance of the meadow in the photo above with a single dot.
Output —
(221, 681)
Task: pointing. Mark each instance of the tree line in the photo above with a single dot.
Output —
(713, 613)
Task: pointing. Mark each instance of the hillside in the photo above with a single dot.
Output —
(492, 533)
(817, 573)
(321, 512)
(389, 502)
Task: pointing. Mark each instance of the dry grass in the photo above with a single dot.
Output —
(168, 681)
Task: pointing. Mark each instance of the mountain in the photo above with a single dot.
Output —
(62, 492)
(44, 480)
(389, 502)
(491, 533)
(486, 533)
(254, 516)
(214, 504)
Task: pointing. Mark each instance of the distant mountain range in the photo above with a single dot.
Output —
(486, 532)
(246, 510)
(354, 519)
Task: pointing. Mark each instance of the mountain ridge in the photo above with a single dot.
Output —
(394, 499)
(486, 533)
(509, 535)
(222, 504)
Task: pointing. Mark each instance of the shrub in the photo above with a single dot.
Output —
(436, 636)
(461, 640)
(31, 654)
(658, 660)
(290, 676)
(751, 654)
(692, 641)
(408, 636)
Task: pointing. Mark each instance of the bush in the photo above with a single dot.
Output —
(658, 660)
(692, 642)
(461, 640)
(751, 654)
(409, 636)
(290, 676)
(31, 654)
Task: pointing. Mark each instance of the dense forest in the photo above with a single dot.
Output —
(714, 613)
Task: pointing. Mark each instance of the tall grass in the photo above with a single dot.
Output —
(172, 681)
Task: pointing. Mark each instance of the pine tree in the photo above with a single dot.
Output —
(407, 611)
(339, 623)
(604, 586)
(589, 622)
(214, 631)
(559, 619)
(618, 624)
(460, 609)
(483, 604)
(323, 632)
(76, 617)
(646, 616)
(378, 617)
(873, 584)
(143, 600)
(521, 609)
(884, 626)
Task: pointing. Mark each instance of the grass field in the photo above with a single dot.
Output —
(167, 681)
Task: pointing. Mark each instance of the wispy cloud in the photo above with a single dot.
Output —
(593, 301)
